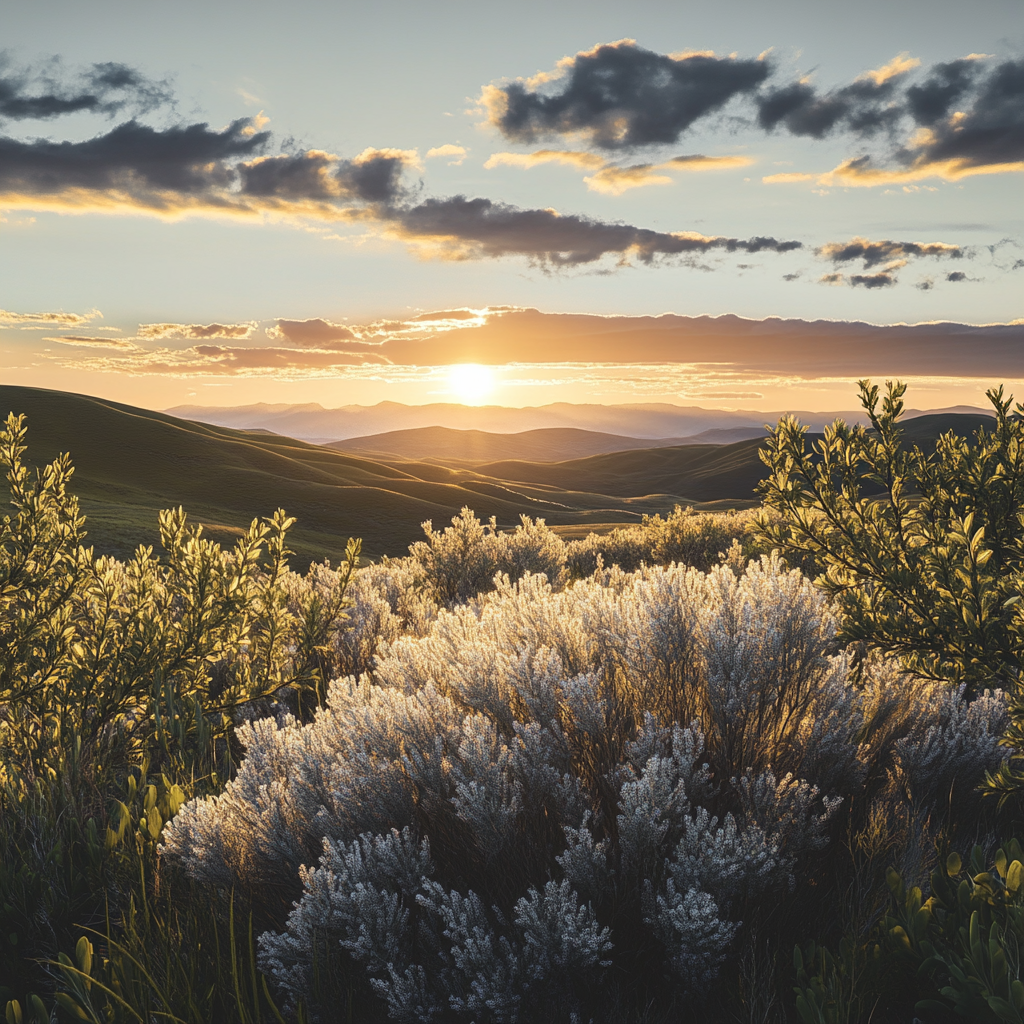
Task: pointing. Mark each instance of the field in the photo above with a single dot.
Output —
(699, 768)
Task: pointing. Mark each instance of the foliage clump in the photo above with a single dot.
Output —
(121, 685)
(623, 769)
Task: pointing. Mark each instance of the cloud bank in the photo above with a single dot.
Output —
(721, 347)
(951, 120)
(195, 169)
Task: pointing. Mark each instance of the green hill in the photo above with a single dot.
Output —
(130, 463)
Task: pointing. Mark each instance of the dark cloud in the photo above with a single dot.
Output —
(987, 131)
(926, 284)
(461, 228)
(372, 177)
(957, 275)
(313, 333)
(883, 279)
(144, 166)
(875, 253)
(965, 118)
(622, 95)
(191, 167)
(47, 91)
(945, 85)
(791, 277)
(863, 107)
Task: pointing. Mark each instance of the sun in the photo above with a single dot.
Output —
(471, 382)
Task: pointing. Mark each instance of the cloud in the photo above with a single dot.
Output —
(458, 152)
(313, 333)
(956, 276)
(883, 279)
(196, 332)
(194, 169)
(612, 179)
(720, 350)
(966, 118)
(863, 107)
(122, 344)
(875, 253)
(46, 321)
(620, 95)
(459, 228)
(230, 361)
(446, 316)
(47, 90)
(569, 157)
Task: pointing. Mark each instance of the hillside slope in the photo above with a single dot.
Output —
(130, 462)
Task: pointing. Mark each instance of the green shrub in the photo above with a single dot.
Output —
(967, 938)
(921, 551)
(121, 684)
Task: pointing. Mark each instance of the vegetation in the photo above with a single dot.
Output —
(722, 767)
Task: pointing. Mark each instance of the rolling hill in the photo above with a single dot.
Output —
(652, 420)
(547, 444)
(130, 463)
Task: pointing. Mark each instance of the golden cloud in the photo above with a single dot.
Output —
(122, 344)
(859, 173)
(197, 332)
(613, 179)
(46, 321)
(899, 65)
(458, 152)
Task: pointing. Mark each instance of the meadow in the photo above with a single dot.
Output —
(758, 764)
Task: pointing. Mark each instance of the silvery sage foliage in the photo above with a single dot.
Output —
(546, 777)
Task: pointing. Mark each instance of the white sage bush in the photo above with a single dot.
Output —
(544, 779)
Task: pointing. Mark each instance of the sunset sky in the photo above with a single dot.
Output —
(223, 203)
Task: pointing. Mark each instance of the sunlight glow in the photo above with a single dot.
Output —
(471, 382)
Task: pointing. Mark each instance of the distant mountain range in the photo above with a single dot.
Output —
(654, 421)
(547, 444)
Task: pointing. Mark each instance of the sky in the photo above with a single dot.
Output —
(223, 203)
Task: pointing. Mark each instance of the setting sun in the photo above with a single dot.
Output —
(471, 382)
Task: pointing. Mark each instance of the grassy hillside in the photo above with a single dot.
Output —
(132, 462)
